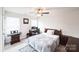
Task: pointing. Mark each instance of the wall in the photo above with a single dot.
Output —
(24, 28)
(66, 19)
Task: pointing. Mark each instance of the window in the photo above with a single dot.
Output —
(12, 23)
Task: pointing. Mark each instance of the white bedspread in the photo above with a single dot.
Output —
(44, 42)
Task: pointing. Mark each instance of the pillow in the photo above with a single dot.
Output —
(51, 32)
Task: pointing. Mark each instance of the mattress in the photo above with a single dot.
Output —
(44, 42)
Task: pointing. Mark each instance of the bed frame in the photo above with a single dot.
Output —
(56, 32)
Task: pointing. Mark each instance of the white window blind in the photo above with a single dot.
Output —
(12, 23)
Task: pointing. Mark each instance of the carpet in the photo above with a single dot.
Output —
(27, 48)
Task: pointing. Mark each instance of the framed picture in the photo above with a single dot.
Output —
(25, 21)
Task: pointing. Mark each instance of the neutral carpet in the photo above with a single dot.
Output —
(27, 48)
(61, 48)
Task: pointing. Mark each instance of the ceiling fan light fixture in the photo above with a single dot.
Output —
(39, 14)
(39, 11)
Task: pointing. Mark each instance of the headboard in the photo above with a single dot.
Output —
(56, 32)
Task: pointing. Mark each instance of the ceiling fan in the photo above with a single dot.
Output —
(42, 11)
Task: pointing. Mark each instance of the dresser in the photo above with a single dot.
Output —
(15, 38)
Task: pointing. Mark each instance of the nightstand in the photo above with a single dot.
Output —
(63, 39)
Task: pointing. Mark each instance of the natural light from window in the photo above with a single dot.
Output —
(12, 23)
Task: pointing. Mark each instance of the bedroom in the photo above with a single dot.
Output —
(20, 21)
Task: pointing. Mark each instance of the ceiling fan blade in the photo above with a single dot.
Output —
(45, 13)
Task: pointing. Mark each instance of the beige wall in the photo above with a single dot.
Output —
(66, 19)
(24, 28)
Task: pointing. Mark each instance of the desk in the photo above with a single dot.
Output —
(32, 32)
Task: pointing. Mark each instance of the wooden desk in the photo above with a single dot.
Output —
(31, 33)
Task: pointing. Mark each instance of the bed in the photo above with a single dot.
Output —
(45, 42)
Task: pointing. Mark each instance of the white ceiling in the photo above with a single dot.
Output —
(20, 10)
(28, 10)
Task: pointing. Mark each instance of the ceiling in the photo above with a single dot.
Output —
(20, 10)
(30, 10)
